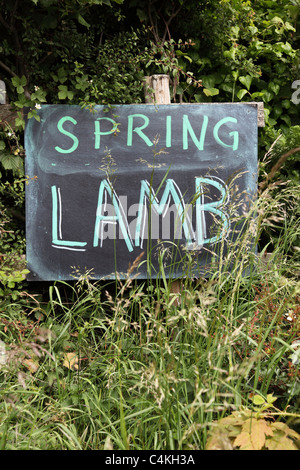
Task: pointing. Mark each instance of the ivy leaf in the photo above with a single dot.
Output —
(267, 96)
(211, 91)
(246, 81)
(82, 21)
(274, 87)
(209, 81)
(241, 93)
(286, 118)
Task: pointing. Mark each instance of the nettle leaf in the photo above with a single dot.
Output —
(11, 162)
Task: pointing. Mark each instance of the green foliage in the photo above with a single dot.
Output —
(12, 240)
(98, 365)
(11, 150)
(137, 366)
(246, 430)
(13, 266)
(255, 58)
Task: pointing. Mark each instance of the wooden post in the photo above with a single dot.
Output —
(161, 90)
(157, 91)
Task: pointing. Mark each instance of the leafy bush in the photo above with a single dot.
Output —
(129, 365)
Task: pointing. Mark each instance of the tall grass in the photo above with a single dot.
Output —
(135, 365)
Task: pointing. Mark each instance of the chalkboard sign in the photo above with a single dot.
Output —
(136, 188)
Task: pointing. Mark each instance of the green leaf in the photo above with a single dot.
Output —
(286, 119)
(285, 47)
(39, 95)
(267, 96)
(11, 162)
(19, 83)
(226, 87)
(63, 92)
(277, 111)
(211, 91)
(241, 93)
(270, 398)
(256, 94)
(276, 20)
(230, 53)
(289, 27)
(258, 400)
(34, 114)
(19, 122)
(246, 81)
(199, 98)
(209, 81)
(82, 21)
(286, 104)
(274, 87)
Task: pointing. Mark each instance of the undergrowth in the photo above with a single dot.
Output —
(137, 365)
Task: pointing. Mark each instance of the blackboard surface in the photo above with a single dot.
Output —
(145, 182)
